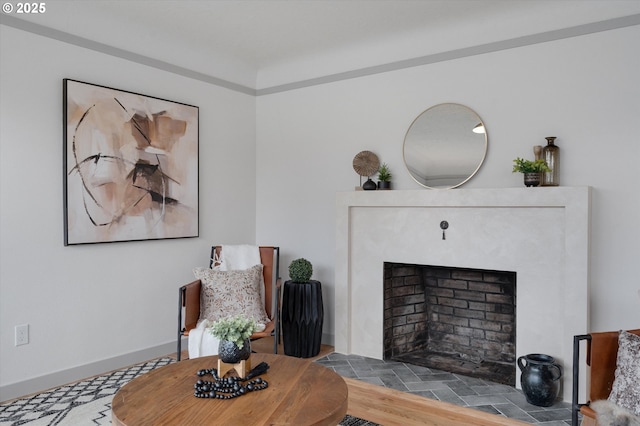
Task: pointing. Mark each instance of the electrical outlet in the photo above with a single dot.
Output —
(22, 334)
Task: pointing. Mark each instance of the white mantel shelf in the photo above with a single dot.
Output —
(541, 233)
(480, 197)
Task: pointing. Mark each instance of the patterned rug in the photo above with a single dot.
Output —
(87, 402)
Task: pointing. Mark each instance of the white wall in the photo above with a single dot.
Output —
(584, 90)
(97, 302)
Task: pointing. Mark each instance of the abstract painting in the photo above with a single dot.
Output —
(130, 166)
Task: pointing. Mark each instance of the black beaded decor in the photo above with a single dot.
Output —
(230, 387)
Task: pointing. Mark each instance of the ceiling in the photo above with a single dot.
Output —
(265, 43)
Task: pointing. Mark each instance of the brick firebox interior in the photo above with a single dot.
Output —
(453, 319)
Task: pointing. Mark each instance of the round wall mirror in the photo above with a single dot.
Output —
(445, 146)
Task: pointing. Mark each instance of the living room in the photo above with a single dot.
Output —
(276, 146)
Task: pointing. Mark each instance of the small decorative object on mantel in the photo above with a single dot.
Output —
(551, 156)
(540, 379)
(366, 163)
(532, 170)
(537, 152)
(384, 177)
(302, 311)
(369, 185)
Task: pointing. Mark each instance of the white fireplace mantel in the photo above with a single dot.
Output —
(541, 233)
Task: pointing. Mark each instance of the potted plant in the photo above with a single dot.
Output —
(384, 177)
(532, 170)
(302, 311)
(233, 333)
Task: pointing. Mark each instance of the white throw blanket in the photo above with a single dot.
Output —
(201, 342)
(232, 258)
(238, 258)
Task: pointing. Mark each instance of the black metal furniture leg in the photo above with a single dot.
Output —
(575, 406)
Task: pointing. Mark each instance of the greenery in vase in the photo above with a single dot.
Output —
(234, 329)
(527, 166)
(384, 174)
(300, 270)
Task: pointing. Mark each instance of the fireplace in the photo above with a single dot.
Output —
(453, 319)
(541, 234)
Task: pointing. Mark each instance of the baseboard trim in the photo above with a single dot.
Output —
(328, 339)
(59, 378)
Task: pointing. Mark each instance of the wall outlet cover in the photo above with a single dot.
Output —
(22, 334)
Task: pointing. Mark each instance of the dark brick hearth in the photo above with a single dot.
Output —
(453, 319)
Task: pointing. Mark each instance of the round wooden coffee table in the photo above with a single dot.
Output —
(300, 392)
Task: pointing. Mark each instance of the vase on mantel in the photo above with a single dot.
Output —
(537, 152)
(369, 185)
(551, 156)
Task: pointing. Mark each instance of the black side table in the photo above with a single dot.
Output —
(302, 317)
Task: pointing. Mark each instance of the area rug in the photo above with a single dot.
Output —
(88, 402)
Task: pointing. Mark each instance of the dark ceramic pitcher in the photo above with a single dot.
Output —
(540, 379)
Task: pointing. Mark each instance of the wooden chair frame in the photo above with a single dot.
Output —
(601, 357)
(189, 298)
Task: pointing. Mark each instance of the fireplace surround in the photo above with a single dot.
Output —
(542, 234)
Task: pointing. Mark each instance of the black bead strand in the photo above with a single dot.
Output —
(229, 387)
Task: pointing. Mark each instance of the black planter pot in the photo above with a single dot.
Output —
(230, 353)
(302, 318)
(384, 185)
(532, 179)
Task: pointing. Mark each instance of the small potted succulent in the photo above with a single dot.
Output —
(532, 170)
(233, 333)
(302, 311)
(384, 177)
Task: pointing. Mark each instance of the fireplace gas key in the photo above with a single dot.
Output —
(444, 225)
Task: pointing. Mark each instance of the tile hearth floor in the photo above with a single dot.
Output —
(453, 388)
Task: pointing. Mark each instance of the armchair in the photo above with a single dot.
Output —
(190, 297)
(601, 357)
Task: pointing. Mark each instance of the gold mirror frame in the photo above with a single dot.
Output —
(443, 147)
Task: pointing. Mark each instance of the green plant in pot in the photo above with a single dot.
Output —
(233, 333)
(302, 311)
(384, 177)
(532, 170)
